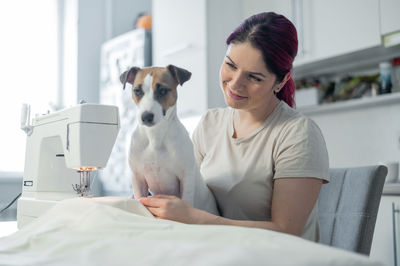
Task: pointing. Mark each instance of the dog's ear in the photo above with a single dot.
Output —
(180, 74)
(129, 76)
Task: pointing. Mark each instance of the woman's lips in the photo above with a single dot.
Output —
(235, 96)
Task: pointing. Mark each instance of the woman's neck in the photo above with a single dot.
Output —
(246, 121)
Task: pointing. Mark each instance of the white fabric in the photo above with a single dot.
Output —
(8, 228)
(83, 232)
(240, 171)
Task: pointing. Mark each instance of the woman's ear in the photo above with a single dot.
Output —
(281, 84)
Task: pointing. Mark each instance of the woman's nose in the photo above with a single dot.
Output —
(236, 82)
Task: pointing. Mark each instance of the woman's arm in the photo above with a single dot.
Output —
(292, 201)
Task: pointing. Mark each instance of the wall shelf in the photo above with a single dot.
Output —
(344, 64)
(344, 106)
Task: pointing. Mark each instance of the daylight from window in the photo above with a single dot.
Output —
(28, 71)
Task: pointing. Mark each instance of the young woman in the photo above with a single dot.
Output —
(264, 161)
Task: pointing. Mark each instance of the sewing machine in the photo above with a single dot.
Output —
(62, 150)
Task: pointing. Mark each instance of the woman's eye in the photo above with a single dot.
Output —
(138, 92)
(230, 65)
(255, 78)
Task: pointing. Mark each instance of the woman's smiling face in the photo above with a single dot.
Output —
(245, 80)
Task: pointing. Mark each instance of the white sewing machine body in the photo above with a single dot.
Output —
(60, 147)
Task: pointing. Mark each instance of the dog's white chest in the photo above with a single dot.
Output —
(157, 164)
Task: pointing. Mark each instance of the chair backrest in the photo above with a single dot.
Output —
(348, 206)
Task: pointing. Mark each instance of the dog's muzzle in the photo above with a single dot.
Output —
(147, 118)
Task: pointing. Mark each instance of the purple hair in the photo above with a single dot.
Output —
(276, 37)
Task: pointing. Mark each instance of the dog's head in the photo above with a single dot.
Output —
(154, 90)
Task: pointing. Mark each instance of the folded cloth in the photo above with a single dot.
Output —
(85, 232)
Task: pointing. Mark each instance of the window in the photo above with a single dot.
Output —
(28, 71)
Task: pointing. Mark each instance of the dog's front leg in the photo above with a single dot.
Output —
(188, 186)
(140, 187)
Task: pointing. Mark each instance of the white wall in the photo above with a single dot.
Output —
(361, 134)
(95, 21)
(91, 34)
(251, 7)
(124, 14)
(219, 25)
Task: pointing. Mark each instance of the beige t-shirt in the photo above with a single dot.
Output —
(240, 171)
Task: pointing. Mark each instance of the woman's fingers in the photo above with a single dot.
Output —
(151, 202)
(156, 201)
(168, 207)
(153, 205)
(155, 211)
(161, 196)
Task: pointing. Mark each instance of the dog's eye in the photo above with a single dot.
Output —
(138, 92)
(162, 91)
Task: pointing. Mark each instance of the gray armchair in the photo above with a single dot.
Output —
(348, 206)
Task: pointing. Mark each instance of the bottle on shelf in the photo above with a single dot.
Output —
(385, 71)
(396, 74)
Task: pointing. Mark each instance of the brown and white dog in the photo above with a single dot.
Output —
(161, 153)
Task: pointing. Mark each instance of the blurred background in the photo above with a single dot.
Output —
(55, 53)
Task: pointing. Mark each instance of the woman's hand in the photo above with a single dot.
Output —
(170, 208)
(293, 200)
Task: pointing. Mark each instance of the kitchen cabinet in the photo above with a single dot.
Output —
(333, 28)
(383, 244)
(389, 16)
(191, 34)
(327, 28)
(390, 22)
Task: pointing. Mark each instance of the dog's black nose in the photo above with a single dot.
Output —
(147, 118)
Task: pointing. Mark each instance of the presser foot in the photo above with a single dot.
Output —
(83, 189)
